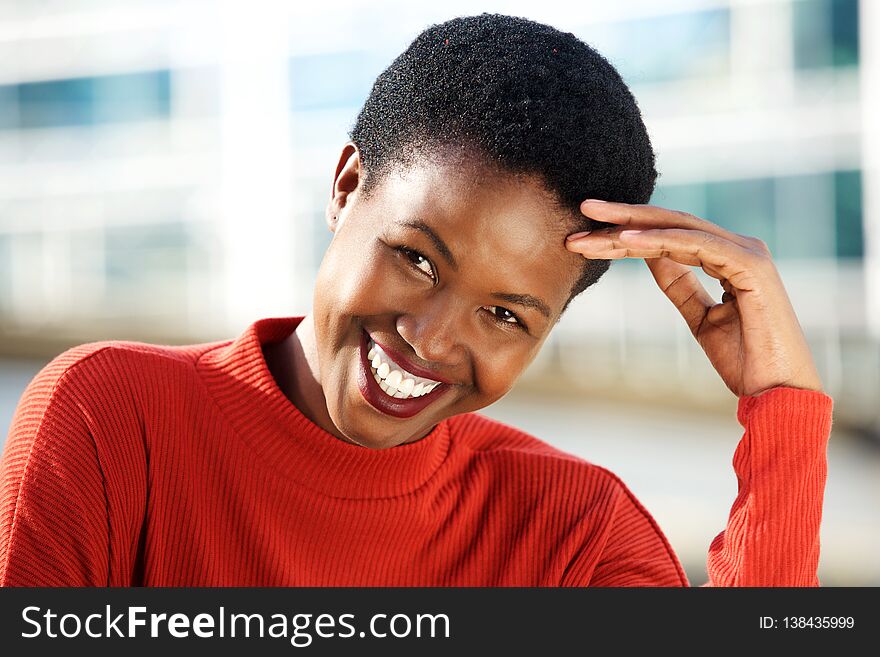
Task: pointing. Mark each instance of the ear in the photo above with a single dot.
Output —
(345, 183)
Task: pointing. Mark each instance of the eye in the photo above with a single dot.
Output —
(504, 315)
(417, 259)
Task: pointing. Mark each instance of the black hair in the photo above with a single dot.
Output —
(523, 96)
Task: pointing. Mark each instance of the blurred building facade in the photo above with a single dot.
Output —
(164, 168)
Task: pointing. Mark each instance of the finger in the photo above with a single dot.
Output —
(652, 216)
(717, 256)
(681, 285)
(693, 301)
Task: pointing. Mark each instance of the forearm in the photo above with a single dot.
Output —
(772, 534)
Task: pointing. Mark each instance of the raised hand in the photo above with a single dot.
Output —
(752, 338)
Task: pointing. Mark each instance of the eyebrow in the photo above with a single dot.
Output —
(526, 300)
(439, 244)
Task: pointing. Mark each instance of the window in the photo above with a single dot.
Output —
(86, 101)
(8, 107)
(805, 216)
(826, 33)
(744, 206)
(682, 45)
(849, 227)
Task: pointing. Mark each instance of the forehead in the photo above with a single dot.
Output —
(502, 227)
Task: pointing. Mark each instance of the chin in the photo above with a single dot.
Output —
(364, 425)
(371, 440)
(363, 414)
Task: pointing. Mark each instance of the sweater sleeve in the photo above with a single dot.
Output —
(772, 534)
(54, 521)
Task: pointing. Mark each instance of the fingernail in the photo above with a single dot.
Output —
(595, 200)
(628, 233)
(576, 236)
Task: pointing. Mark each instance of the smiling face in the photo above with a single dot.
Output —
(449, 273)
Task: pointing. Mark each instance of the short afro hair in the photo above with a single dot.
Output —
(523, 96)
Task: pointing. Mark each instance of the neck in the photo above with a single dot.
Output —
(294, 365)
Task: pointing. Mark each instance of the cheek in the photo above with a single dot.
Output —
(351, 281)
(372, 283)
(497, 374)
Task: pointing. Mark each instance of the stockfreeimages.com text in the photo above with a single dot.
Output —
(301, 629)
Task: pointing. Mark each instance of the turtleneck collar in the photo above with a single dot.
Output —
(238, 377)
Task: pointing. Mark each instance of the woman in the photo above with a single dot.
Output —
(340, 448)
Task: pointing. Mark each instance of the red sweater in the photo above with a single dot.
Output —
(136, 464)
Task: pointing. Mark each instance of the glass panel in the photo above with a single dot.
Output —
(8, 107)
(826, 33)
(85, 101)
(805, 216)
(132, 97)
(682, 45)
(845, 32)
(687, 198)
(57, 102)
(809, 216)
(744, 206)
(848, 211)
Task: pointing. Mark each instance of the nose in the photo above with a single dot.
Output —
(436, 330)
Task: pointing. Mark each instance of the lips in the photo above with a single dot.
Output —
(401, 408)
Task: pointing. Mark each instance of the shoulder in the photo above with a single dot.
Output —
(102, 381)
(502, 443)
(92, 403)
(618, 539)
(124, 352)
(113, 360)
(484, 434)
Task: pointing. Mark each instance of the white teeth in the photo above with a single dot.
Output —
(394, 378)
(396, 383)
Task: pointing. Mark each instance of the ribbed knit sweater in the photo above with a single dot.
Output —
(136, 464)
